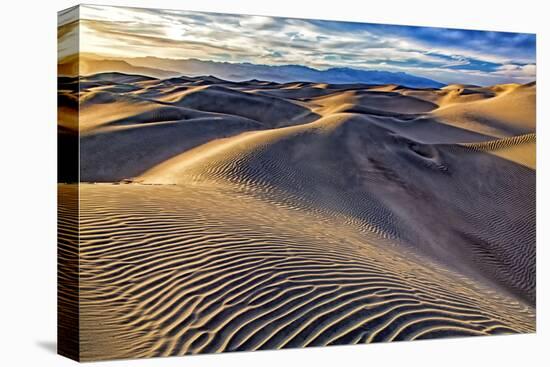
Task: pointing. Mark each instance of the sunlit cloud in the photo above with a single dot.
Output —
(447, 55)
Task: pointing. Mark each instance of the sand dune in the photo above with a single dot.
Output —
(520, 149)
(273, 111)
(501, 111)
(375, 100)
(386, 184)
(193, 277)
(257, 215)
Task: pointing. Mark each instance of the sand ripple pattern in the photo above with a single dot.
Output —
(433, 198)
(68, 271)
(171, 270)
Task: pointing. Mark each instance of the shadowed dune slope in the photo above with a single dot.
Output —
(429, 196)
(271, 110)
(130, 123)
(381, 100)
(123, 150)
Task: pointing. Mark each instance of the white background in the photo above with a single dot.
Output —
(28, 183)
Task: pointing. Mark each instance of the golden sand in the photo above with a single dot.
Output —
(171, 270)
(265, 216)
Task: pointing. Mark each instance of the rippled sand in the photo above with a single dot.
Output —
(184, 269)
(245, 216)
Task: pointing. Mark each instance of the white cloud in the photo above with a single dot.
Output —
(132, 32)
(514, 70)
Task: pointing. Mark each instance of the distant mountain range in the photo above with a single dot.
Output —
(163, 68)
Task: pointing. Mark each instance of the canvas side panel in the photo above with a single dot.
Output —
(68, 177)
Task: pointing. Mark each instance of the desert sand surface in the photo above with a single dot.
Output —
(223, 216)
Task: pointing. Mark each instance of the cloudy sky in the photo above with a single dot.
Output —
(446, 55)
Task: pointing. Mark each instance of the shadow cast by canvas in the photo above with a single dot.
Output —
(48, 345)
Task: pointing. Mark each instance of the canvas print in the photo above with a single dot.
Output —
(238, 183)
